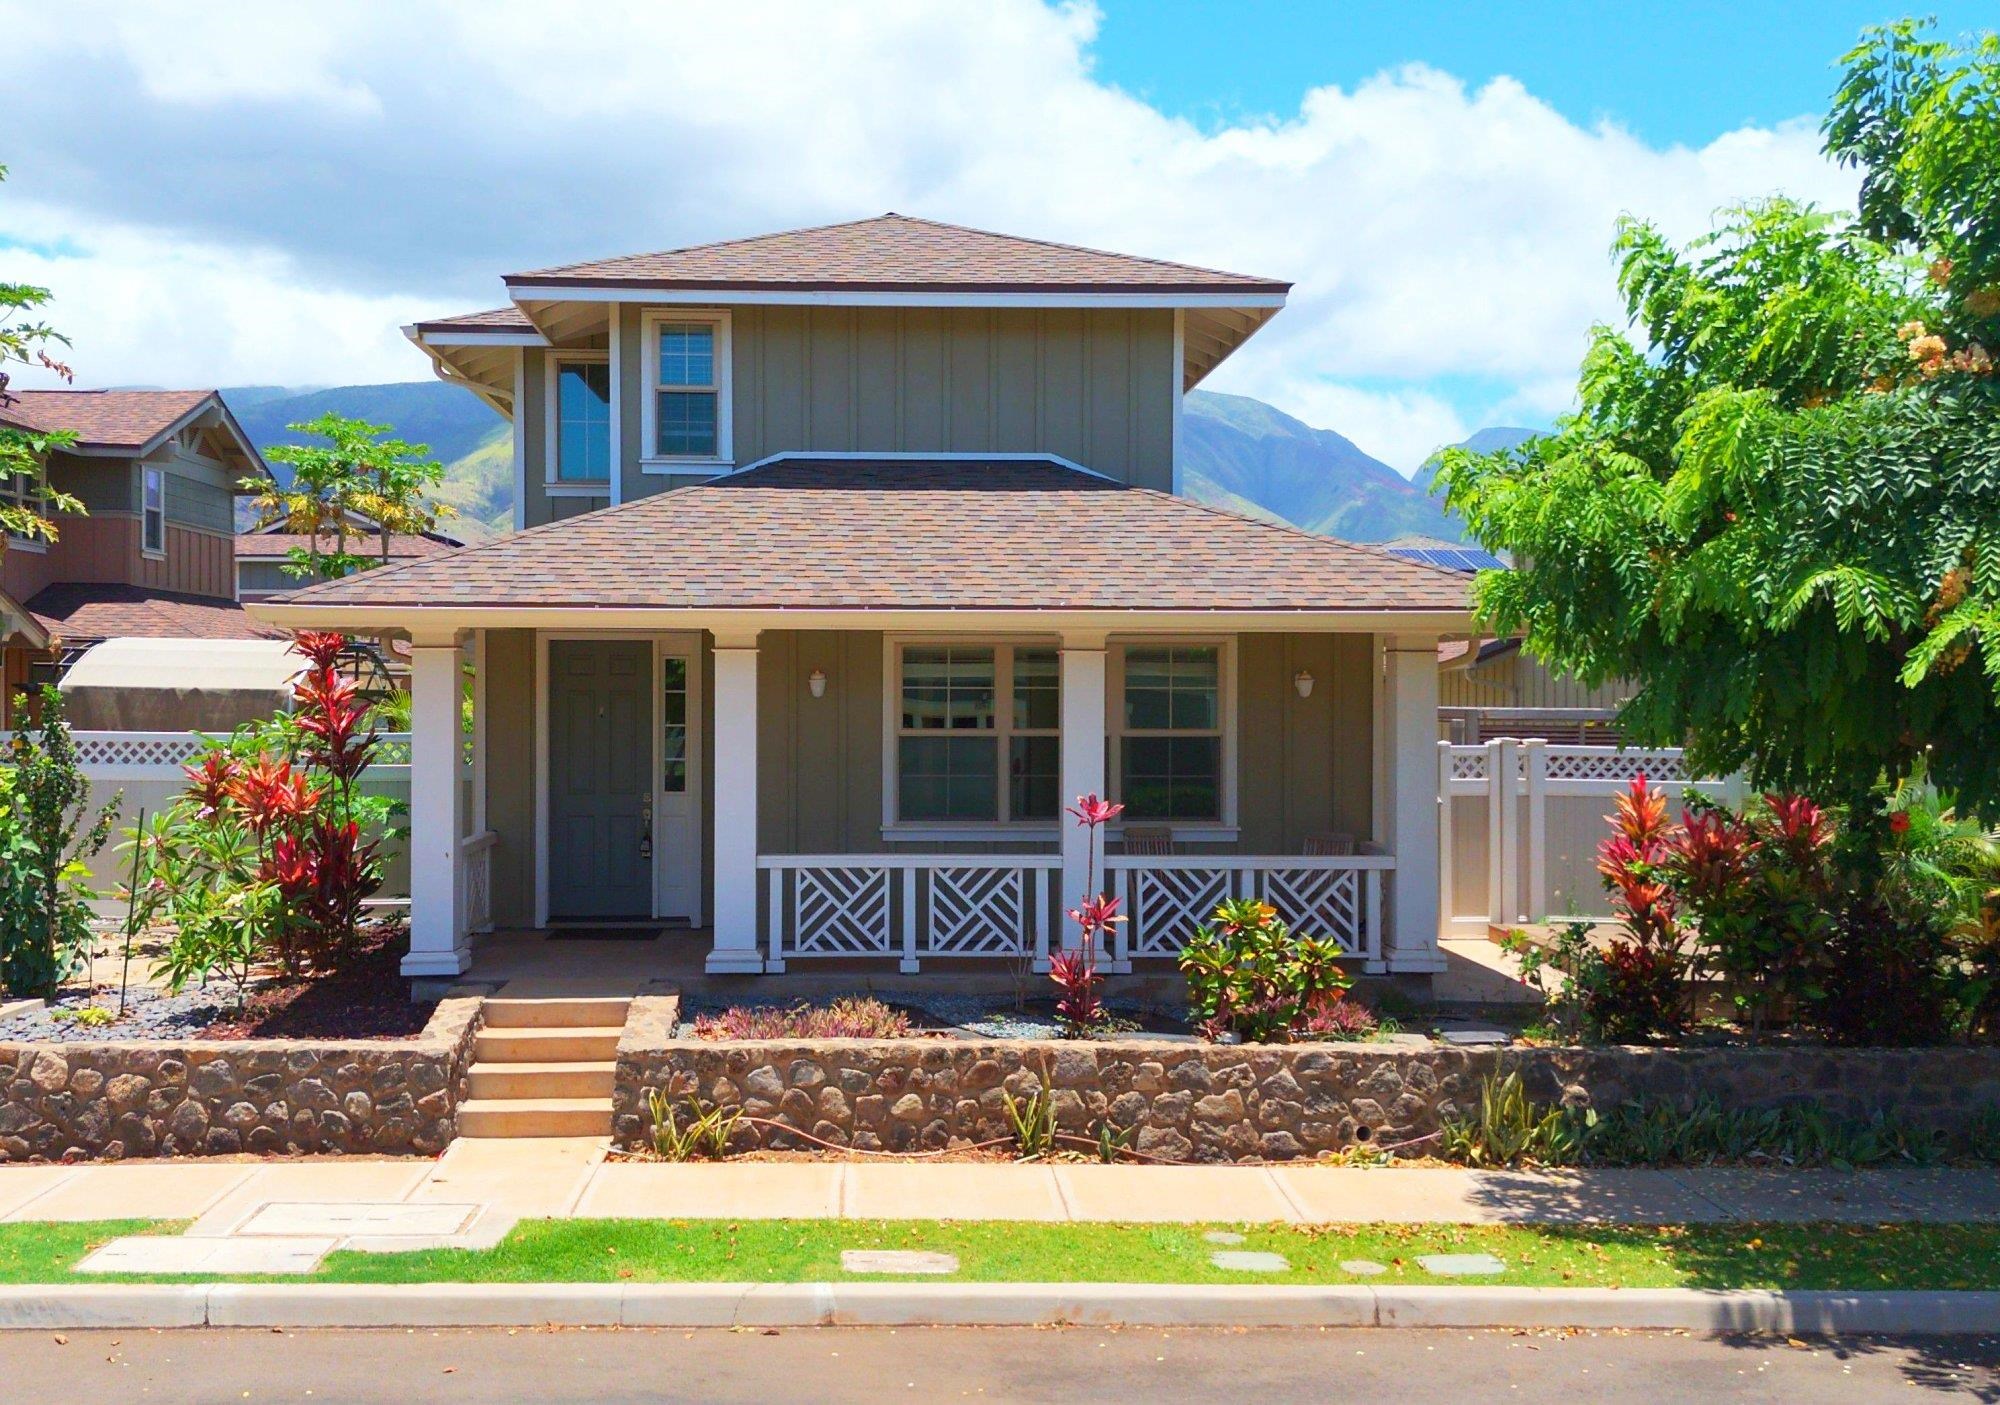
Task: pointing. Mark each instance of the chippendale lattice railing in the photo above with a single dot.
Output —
(1334, 898)
(910, 906)
(139, 752)
(1523, 851)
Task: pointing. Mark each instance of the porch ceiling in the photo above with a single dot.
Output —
(874, 538)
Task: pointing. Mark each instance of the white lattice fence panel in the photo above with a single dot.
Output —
(1319, 902)
(1169, 903)
(977, 912)
(1599, 764)
(841, 911)
(1468, 763)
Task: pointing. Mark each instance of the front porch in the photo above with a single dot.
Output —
(776, 799)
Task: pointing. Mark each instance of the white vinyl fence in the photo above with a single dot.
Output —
(1520, 822)
(144, 770)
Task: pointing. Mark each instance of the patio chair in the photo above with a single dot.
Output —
(1154, 840)
(1327, 845)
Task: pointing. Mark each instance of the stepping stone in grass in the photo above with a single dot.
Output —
(1460, 1265)
(1362, 1268)
(1248, 1261)
(896, 1261)
(1223, 1236)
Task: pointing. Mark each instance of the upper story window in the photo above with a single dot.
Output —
(153, 511)
(687, 370)
(581, 444)
(24, 491)
(976, 733)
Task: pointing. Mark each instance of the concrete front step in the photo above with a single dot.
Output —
(556, 1012)
(534, 1117)
(542, 1080)
(588, 1044)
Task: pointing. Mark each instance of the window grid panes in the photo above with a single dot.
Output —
(153, 522)
(583, 421)
(977, 733)
(1170, 737)
(23, 490)
(687, 394)
(674, 725)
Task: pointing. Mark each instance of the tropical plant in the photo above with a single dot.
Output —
(1249, 975)
(1032, 1120)
(353, 471)
(705, 1133)
(47, 837)
(849, 1017)
(1638, 991)
(1508, 1128)
(1777, 511)
(1079, 1006)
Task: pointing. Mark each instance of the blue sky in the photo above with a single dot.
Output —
(1684, 72)
(239, 192)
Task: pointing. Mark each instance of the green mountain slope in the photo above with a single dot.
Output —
(1242, 455)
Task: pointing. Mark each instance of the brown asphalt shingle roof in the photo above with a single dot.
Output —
(102, 419)
(899, 253)
(498, 319)
(840, 535)
(74, 612)
(262, 546)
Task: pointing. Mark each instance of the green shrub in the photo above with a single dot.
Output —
(704, 1135)
(1247, 974)
(1507, 1128)
(47, 837)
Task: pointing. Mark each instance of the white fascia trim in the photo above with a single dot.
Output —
(475, 338)
(911, 456)
(830, 297)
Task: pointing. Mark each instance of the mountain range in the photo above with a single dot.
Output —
(1240, 453)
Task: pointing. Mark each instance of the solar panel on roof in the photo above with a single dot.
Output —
(1450, 558)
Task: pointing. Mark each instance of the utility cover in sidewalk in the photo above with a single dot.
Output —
(158, 1253)
(896, 1261)
(359, 1217)
(1460, 1265)
(1248, 1261)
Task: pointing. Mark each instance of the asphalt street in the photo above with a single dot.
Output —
(1070, 1365)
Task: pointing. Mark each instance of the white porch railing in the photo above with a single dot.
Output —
(1334, 898)
(475, 882)
(1528, 853)
(910, 906)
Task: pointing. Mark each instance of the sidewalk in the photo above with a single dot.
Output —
(482, 1185)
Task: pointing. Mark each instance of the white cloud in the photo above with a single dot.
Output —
(386, 160)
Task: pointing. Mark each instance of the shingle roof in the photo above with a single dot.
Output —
(262, 546)
(870, 535)
(898, 252)
(102, 419)
(74, 612)
(498, 319)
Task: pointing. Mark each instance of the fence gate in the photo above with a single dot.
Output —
(1520, 822)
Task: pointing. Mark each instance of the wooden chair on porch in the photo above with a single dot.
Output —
(1328, 844)
(1151, 840)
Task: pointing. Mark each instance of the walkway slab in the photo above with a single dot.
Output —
(1945, 1194)
(757, 1190)
(954, 1191)
(292, 1220)
(1173, 1194)
(20, 1186)
(155, 1253)
(1798, 1197)
(325, 1181)
(1345, 1195)
(527, 1177)
(181, 1190)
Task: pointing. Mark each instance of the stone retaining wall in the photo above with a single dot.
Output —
(1235, 1103)
(73, 1101)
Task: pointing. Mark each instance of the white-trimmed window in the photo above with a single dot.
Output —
(24, 491)
(686, 416)
(579, 441)
(153, 511)
(1169, 733)
(975, 736)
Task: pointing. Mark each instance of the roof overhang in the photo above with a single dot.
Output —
(19, 626)
(211, 413)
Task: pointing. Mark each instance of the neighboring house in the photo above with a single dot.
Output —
(1492, 688)
(158, 472)
(852, 556)
(264, 562)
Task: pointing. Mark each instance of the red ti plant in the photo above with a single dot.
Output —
(1640, 987)
(1079, 1007)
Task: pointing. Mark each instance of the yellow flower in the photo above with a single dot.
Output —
(1908, 330)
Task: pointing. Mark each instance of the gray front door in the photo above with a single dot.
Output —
(600, 778)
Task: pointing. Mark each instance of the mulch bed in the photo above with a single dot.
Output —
(367, 998)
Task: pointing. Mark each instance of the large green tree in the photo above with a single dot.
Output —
(1777, 509)
(352, 470)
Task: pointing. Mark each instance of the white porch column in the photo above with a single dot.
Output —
(438, 943)
(1082, 767)
(734, 901)
(1407, 720)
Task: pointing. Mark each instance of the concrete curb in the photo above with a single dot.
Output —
(76, 1307)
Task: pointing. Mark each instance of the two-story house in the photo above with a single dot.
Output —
(158, 473)
(851, 556)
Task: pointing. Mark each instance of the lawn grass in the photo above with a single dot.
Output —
(1598, 1256)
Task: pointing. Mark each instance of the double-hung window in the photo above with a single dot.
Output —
(153, 511)
(976, 733)
(23, 491)
(581, 444)
(1169, 731)
(687, 400)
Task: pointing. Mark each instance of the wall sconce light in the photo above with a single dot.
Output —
(816, 682)
(1303, 681)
